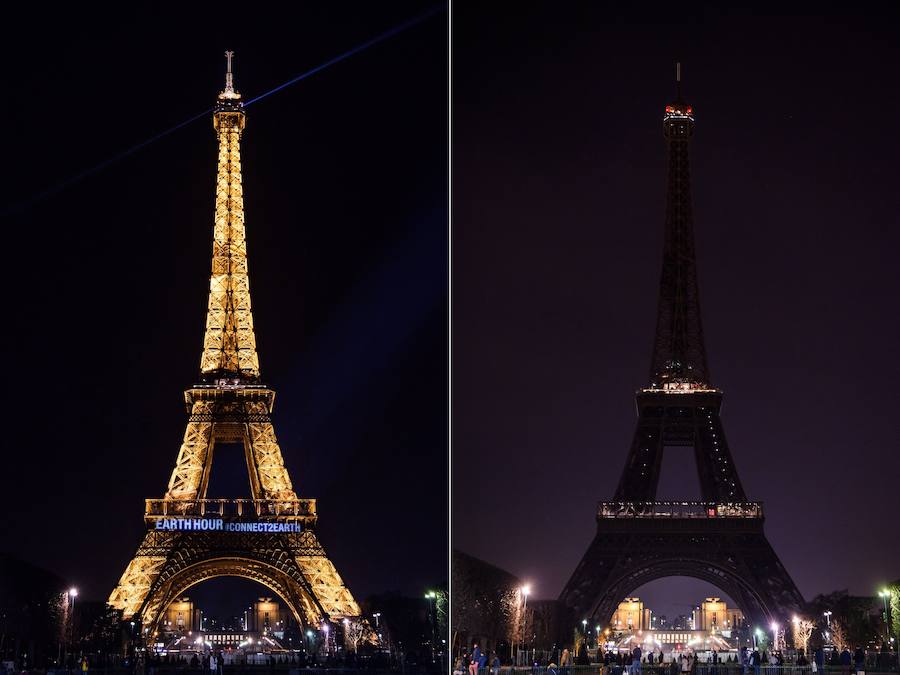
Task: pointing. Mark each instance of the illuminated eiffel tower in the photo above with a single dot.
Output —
(270, 537)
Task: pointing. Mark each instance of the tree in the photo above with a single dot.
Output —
(894, 606)
(441, 607)
(838, 635)
(857, 615)
(486, 602)
(354, 632)
(780, 643)
(579, 640)
(802, 631)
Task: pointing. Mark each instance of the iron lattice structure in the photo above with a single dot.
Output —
(230, 405)
(720, 539)
(679, 355)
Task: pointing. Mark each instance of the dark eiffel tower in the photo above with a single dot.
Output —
(721, 538)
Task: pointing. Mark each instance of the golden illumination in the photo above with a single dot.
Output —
(229, 346)
(230, 406)
(631, 615)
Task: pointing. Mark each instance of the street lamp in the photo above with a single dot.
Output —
(524, 592)
(884, 594)
(376, 615)
(73, 593)
(774, 636)
(432, 606)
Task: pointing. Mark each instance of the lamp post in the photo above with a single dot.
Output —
(584, 632)
(346, 623)
(884, 594)
(597, 629)
(774, 627)
(73, 593)
(432, 608)
(524, 591)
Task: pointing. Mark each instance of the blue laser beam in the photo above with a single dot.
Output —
(415, 21)
(59, 187)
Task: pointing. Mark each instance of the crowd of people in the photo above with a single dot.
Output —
(748, 661)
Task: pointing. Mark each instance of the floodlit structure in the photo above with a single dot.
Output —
(714, 614)
(270, 536)
(631, 615)
(719, 539)
(181, 616)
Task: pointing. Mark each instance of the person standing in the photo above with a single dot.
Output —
(473, 663)
(859, 660)
(846, 660)
(636, 654)
(756, 661)
(565, 662)
(686, 663)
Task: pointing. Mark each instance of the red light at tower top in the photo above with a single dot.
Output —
(678, 108)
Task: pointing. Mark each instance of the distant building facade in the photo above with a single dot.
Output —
(631, 615)
(181, 617)
(713, 625)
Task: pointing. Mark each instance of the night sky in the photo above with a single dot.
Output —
(345, 181)
(558, 210)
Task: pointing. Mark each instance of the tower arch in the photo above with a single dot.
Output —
(751, 603)
(287, 586)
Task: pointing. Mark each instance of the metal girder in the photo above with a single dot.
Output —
(684, 419)
(229, 345)
(679, 353)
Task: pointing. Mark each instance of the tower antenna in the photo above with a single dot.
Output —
(677, 77)
(229, 78)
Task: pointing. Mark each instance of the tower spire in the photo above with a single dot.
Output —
(229, 345)
(229, 78)
(677, 77)
(679, 354)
